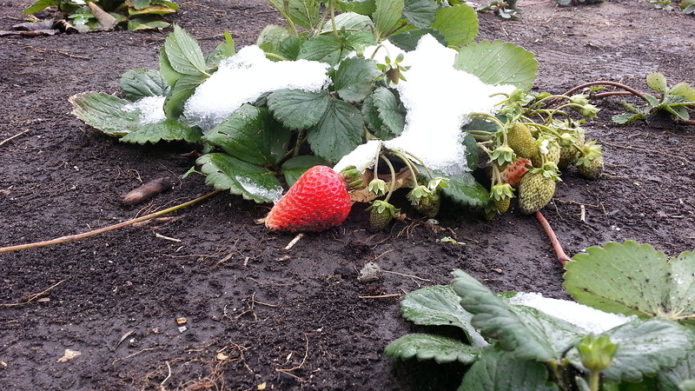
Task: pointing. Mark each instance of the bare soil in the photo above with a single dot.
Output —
(255, 312)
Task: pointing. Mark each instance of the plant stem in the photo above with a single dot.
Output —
(607, 83)
(72, 238)
(594, 380)
(393, 177)
(286, 14)
(559, 252)
(276, 56)
(429, 172)
(408, 163)
(332, 7)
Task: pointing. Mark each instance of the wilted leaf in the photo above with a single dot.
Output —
(431, 347)
(497, 62)
(144, 23)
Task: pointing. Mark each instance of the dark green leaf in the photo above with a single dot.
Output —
(252, 182)
(166, 71)
(271, 37)
(420, 13)
(431, 347)
(464, 190)
(501, 371)
(297, 109)
(183, 53)
(249, 135)
(685, 370)
(183, 89)
(386, 15)
(497, 62)
(290, 47)
(326, 48)
(338, 132)
(139, 83)
(626, 118)
(354, 79)
(366, 7)
(358, 40)
(40, 5)
(222, 51)
(438, 305)
(105, 113)
(472, 152)
(408, 40)
(458, 24)
(168, 130)
(679, 111)
(293, 168)
(382, 114)
(645, 347)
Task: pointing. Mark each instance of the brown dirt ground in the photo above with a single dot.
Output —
(263, 308)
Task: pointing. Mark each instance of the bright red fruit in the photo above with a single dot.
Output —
(317, 201)
(515, 170)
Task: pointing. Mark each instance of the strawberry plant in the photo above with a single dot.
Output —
(522, 341)
(85, 14)
(503, 9)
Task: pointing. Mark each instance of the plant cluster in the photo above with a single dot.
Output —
(686, 6)
(135, 14)
(504, 9)
(518, 346)
(675, 101)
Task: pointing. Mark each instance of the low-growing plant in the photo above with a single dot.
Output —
(503, 9)
(135, 14)
(512, 345)
(675, 100)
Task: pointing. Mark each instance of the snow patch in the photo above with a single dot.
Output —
(272, 193)
(590, 319)
(151, 109)
(361, 157)
(243, 78)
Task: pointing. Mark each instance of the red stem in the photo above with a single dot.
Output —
(559, 252)
(606, 83)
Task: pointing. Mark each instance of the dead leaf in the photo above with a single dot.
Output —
(69, 355)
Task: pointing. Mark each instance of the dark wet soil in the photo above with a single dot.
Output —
(253, 309)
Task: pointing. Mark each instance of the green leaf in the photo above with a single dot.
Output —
(386, 15)
(324, 48)
(297, 109)
(105, 113)
(420, 13)
(408, 40)
(626, 118)
(354, 79)
(151, 10)
(349, 21)
(678, 111)
(685, 370)
(438, 305)
(293, 168)
(249, 135)
(431, 347)
(168, 130)
(224, 50)
(166, 71)
(657, 82)
(366, 7)
(382, 113)
(630, 278)
(497, 62)
(290, 47)
(252, 182)
(183, 89)
(472, 151)
(183, 53)
(40, 5)
(358, 40)
(304, 13)
(527, 333)
(501, 371)
(143, 23)
(139, 83)
(464, 190)
(458, 24)
(140, 4)
(271, 37)
(339, 131)
(645, 347)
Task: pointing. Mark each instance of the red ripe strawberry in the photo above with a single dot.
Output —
(513, 172)
(317, 201)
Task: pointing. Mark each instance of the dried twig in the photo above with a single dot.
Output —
(288, 371)
(33, 296)
(293, 242)
(7, 140)
(386, 296)
(407, 275)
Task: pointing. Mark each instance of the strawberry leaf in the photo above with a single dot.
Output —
(408, 40)
(458, 24)
(339, 131)
(325, 48)
(383, 114)
(183, 53)
(248, 134)
(168, 130)
(497, 62)
(501, 371)
(297, 109)
(252, 182)
(349, 21)
(657, 82)
(438, 305)
(304, 13)
(293, 168)
(364, 7)
(183, 88)
(354, 79)
(222, 51)
(386, 15)
(166, 71)
(431, 347)
(420, 13)
(105, 113)
(683, 371)
(631, 278)
(140, 83)
(271, 37)
(464, 190)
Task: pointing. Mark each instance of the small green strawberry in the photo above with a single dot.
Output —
(502, 194)
(537, 188)
(377, 187)
(425, 200)
(569, 153)
(521, 140)
(380, 215)
(590, 162)
(550, 150)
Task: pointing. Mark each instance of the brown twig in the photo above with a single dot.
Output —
(288, 371)
(7, 140)
(559, 252)
(72, 238)
(386, 296)
(34, 296)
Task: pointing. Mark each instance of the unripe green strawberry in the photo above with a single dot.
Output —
(380, 215)
(569, 154)
(552, 154)
(521, 140)
(536, 189)
(502, 194)
(590, 162)
(503, 205)
(424, 200)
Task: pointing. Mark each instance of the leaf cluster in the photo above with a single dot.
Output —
(514, 347)
(504, 9)
(676, 101)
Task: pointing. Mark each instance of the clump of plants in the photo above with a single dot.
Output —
(525, 342)
(503, 9)
(90, 15)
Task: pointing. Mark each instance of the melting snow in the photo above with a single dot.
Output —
(273, 193)
(361, 157)
(590, 319)
(246, 76)
(151, 109)
(438, 99)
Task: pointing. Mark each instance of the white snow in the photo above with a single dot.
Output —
(589, 319)
(151, 109)
(246, 76)
(361, 157)
(273, 193)
(438, 99)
